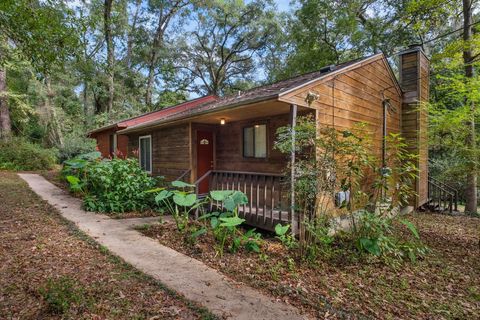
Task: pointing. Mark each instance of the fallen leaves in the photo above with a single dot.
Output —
(36, 246)
(444, 285)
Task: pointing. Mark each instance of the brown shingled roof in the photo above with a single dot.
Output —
(261, 93)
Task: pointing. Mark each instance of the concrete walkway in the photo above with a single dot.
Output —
(187, 276)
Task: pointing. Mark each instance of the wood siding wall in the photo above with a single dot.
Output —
(355, 97)
(103, 143)
(229, 147)
(414, 67)
(170, 150)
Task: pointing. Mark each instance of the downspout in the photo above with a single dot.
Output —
(293, 123)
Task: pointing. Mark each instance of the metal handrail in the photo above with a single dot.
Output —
(183, 175)
(453, 193)
(196, 183)
(438, 194)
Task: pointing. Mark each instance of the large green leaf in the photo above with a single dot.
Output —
(181, 184)
(154, 190)
(231, 221)
(163, 195)
(281, 230)
(220, 195)
(229, 204)
(73, 180)
(370, 245)
(239, 198)
(185, 200)
(410, 227)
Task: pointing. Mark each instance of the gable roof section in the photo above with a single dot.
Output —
(274, 91)
(153, 115)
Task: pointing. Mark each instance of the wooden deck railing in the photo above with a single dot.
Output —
(268, 196)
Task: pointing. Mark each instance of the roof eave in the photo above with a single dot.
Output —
(329, 74)
(157, 123)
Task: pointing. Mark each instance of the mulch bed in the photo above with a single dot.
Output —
(445, 285)
(37, 245)
(54, 177)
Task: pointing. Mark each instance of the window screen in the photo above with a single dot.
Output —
(145, 153)
(255, 141)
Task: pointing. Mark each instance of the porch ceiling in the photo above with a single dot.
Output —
(251, 111)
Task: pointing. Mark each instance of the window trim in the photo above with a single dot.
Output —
(140, 152)
(265, 123)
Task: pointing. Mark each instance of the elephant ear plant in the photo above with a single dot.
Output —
(180, 202)
(225, 225)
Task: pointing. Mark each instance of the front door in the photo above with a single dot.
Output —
(204, 157)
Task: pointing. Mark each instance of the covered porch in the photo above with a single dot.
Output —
(234, 150)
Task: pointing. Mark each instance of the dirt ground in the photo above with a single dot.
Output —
(39, 251)
(444, 285)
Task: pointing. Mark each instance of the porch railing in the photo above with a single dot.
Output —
(268, 196)
(184, 175)
(442, 197)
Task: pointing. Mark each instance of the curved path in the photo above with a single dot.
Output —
(187, 276)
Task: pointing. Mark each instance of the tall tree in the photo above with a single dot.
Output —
(223, 47)
(166, 10)
(41, 32)
(107, 20)
(471, 191)
(5, 122)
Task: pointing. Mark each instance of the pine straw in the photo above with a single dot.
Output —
(36, 244)
(445, 285)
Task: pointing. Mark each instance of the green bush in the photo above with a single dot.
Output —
(74, 145)
(19, 154)
(117, 185)
(375, 235)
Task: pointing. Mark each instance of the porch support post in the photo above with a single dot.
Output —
(293, 123)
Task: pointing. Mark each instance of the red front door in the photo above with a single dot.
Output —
(204, 157)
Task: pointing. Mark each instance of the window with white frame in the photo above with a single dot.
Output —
(255, 141)
(145, 153)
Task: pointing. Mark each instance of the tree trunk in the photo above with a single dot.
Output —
(131, 35)
(107, 15)
(5, 123)
(164, 19)
(157, 41)
(471, 190)
(55, 136)
(85, 102)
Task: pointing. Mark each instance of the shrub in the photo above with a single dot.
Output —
(75, 145)
(375, 235)
(19, 154)
(60, 294)
(116, 185)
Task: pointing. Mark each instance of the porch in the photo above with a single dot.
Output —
(227, 149)
(234, 150)
(269, 200)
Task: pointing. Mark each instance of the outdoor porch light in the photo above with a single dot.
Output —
(222, 121)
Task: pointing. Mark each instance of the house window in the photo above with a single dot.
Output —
(255, 141)
(145, 153)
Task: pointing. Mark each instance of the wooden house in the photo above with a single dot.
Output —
(227, 143)
(109, 143)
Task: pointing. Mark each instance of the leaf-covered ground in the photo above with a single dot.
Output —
(37, 245)
(445, 285)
